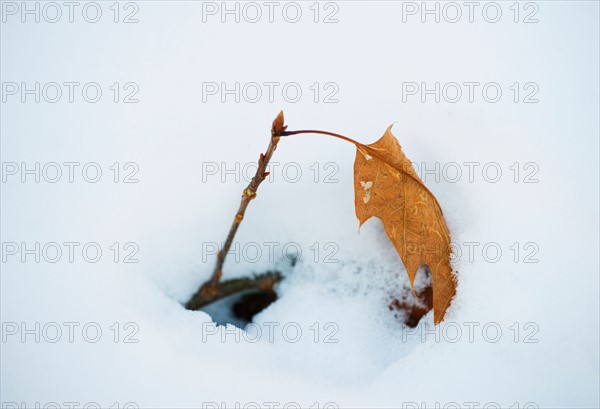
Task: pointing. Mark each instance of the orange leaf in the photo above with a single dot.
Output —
(387, 187)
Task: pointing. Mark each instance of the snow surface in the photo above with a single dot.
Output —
(182, 360)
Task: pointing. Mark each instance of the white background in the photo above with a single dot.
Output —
(171, 134)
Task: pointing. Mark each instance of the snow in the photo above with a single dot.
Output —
(330, 339)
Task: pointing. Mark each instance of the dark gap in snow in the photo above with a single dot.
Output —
(409, 309)
(240, 308)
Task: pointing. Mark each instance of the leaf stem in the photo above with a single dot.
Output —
(314, 131)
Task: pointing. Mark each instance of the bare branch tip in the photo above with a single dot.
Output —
(278, 125)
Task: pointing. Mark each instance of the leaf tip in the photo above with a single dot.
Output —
(389, 128)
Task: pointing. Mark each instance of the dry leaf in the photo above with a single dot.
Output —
(386, 186)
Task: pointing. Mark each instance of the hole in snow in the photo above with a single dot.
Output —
(239, 309)
(410, 309)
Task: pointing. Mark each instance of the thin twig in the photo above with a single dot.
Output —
(210, 290)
